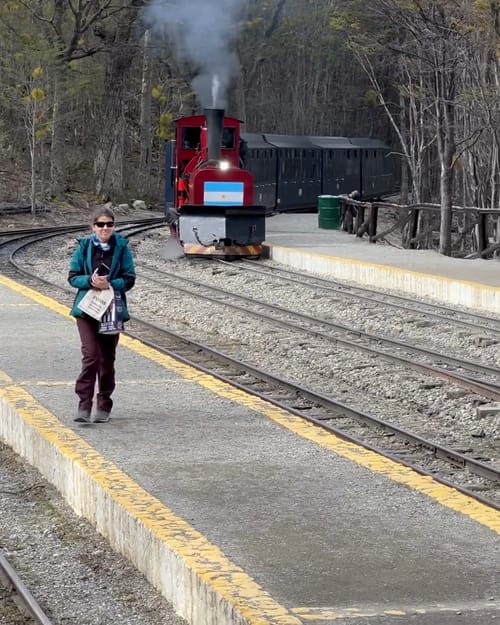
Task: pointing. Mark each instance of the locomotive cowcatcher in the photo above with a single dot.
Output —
(209, 198)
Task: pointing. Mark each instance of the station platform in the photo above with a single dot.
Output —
(297, 241)
(237, 511)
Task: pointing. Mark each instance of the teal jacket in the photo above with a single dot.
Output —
(121, 274)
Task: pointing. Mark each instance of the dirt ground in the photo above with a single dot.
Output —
(76, 207)
(59, 215)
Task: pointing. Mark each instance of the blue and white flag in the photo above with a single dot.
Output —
(223, 194)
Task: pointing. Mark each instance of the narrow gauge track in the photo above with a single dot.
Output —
(437, 365)
(14, 241)
(12, 234)
(20, 595)
(462, 471)
(446, 314)
(451, 467)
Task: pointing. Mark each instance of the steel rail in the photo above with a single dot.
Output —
(449, 455)
(85, 226)
(371, 295)
(28, 602)
(491, 391)
(458, 459)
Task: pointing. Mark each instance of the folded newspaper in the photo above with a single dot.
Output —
(96, 302)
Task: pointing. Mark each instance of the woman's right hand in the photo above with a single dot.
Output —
(99, 282)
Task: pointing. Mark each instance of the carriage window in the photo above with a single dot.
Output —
(228, 138)
(348, 153)
(191, 137)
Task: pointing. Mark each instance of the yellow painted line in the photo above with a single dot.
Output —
(17, 305)
(204, 558)
(426, 485)
(369, 265)
(53, 383)
(48, 302)
(310, 614)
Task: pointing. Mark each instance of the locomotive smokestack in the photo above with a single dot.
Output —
(215, 123)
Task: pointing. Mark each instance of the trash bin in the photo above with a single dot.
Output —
(328, 212)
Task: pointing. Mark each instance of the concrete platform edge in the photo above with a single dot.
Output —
(104, 495)
(447, 290)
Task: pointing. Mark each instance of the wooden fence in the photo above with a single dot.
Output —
(475, 231)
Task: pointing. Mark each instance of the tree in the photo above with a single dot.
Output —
(36, 124)
(68, 27)
(432, 43)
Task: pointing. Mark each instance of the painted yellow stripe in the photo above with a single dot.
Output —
(310, 614)
(445, 495)
(369, 265)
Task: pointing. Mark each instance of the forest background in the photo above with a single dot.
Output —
(90, 88)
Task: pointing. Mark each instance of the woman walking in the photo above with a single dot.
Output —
(101, 260)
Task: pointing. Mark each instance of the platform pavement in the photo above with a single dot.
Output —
(236, 510)
(297, 241)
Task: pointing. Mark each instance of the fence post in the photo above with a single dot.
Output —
(372, 225)
(482, 236)
(360, 218)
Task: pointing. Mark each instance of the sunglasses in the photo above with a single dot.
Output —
(104, 224)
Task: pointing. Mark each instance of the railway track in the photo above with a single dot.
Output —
(456, 467)
(369, 297)
(448, 465)
(462, 372)
(14, 241)
(20, 596)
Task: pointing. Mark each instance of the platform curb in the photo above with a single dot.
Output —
(447, 290)
(203, 586)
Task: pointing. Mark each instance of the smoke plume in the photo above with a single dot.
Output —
(202, 32)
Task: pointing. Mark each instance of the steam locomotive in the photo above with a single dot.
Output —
(216, 173)
(209, 194)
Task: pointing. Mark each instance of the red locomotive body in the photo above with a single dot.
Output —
(212, 194)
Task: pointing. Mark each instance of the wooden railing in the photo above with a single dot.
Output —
(475, 231)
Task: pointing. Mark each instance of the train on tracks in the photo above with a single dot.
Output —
(222, 183)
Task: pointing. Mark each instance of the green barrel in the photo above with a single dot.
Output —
(328, 212)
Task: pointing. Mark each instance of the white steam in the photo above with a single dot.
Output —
(202, 32)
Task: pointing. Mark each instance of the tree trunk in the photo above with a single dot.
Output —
(32, 142)
(57, 156)
(145, 122)
(446, 144)
(109, 160)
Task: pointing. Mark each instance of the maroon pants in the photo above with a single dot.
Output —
(98, 363)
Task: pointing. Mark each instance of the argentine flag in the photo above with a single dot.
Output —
(223, 194)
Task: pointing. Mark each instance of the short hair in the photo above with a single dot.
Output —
(101, 212)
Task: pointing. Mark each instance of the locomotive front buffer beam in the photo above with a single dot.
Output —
(222, 230)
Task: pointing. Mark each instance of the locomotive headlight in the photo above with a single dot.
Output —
(224, 165)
